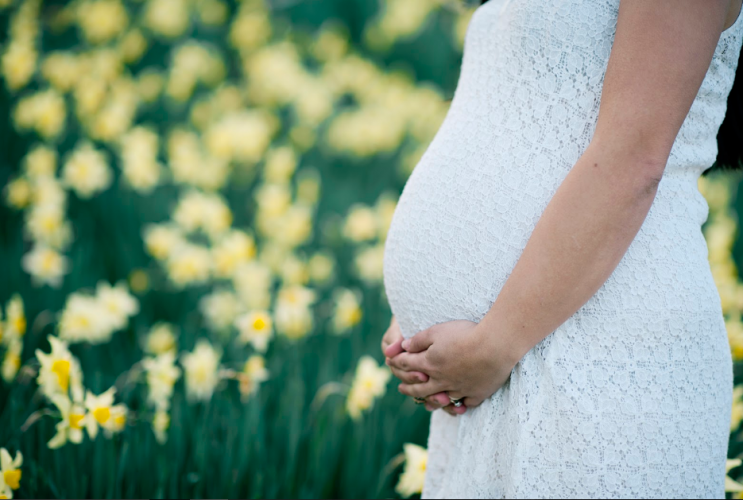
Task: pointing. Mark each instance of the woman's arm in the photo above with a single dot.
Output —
(661, 53)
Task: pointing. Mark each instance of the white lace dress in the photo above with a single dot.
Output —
(631, 397)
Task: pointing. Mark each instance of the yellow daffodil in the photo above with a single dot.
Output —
(231, 251)
(87, 172)
(18, 193)
(118, 303)
(160, 426)
(162, 374)
(99, 411)
(201, 369)
(413, 477)
(161, 339)
(348, 311)
(12, 359)
(361, 224)
(16, 318)
(254, 373)
(46, 266)
(253, 282)
(321, 267)
(369, 264)
(162, 239)
(369, 383)
(60, 370)
(220, 308)
(102, 20)
(70, 428)
(168, 18)
(255, 328)
(189, 264)
(11, 468)
(85, 319)
(293, 314)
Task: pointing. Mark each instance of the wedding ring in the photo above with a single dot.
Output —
(458, 403)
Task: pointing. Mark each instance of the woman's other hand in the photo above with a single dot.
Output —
(460, 358)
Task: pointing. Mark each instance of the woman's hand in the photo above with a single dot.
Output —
(391, 347)
(460, 358)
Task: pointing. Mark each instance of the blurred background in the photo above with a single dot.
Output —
(195, 199)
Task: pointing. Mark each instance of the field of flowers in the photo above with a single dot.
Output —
(195, 199)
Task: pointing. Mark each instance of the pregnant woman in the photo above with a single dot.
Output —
(546, 265)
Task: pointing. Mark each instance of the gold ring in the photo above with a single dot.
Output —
(419, 401)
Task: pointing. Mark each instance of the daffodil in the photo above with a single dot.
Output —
(117, 422)
(12, 359)
(15, 317)
(161, 240)
(253, 282)
(220, 308)
(85, 319)
(254, 373)
(70, 428)
(60, 370)
(413, 477)
(293, 314)
(87, 171)
(369, 383)
(99, 411)
(348, 311)
(117, 302)
(231, 251)
(189, 264)
(369, 264)
(201, 368)
(161, 339)
(46, 266)
(18, 193)
(255, 328)
(11, 468)
(162, 374)
(321, 267)
(160, 426)
(361, 224)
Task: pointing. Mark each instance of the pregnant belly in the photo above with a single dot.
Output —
(458, 233)
(455, 238)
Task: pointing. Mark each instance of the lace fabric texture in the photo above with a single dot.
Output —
(631, 397)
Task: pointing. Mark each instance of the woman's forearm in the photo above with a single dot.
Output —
(580, 239)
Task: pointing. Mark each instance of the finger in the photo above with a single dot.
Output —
(450, 411)
(456, 395)
(420, 390)
(434, 402)
(410, 362)
(442, 398)
(420, 342)
(409, 377)
(394, 349)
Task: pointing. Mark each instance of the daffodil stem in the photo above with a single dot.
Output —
(34, 417)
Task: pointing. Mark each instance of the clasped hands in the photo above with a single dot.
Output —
(456, 360)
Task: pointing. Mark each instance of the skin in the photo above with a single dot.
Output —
(661, 54)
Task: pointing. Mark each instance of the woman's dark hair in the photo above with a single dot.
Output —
(730, 135)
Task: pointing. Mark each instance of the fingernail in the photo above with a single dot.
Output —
(429, 408)
(387, 361)
(406, 344)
